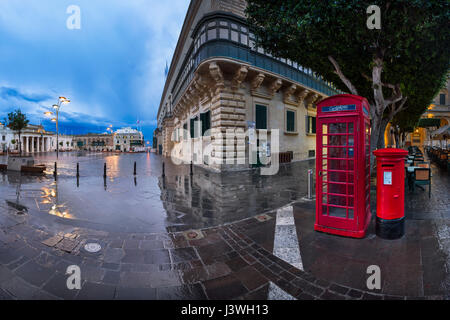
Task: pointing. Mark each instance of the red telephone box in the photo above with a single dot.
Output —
(343, 166)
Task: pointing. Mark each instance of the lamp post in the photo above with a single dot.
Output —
(61, 101)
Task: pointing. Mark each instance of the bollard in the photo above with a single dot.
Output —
(78, 181)
(55, 173)
(163, 169)
(135, 168)
(78, 169)
(310, 183)
(104, 170)
(191, 170)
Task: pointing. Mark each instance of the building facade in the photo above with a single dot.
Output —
(218, 77)
(128, 140)
(6, 138)
(34, 138)
(93, 142)
(439, 110)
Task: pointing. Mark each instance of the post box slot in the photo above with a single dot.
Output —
(387, 165)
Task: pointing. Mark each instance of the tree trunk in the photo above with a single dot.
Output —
(396, 137)
(374, 141)
(403, 135)
(381, 142)
(20, 145)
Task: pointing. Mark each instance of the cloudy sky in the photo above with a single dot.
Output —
(112, 68)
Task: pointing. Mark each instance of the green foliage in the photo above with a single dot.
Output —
(17, 121)
(413, 42)
(416, 105)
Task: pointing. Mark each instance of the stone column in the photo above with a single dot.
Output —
(32, 144)
(26, 149)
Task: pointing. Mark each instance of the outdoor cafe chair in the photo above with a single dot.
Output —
(422, 176)
(423, 164)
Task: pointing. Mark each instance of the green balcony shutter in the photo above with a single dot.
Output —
(205, 118)
(290, 121)
(313, 124)
(192, 127)
(261, 117)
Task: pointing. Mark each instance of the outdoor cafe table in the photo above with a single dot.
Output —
(411, 169)
(410, 174)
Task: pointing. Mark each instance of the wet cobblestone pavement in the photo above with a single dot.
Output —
(227, 259)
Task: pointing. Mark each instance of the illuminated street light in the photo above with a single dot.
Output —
(61, 100)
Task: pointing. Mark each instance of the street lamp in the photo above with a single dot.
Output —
(61, 101)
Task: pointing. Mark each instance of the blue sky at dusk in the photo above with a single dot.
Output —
(112, 69)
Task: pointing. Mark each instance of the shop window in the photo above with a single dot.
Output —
(442, 99)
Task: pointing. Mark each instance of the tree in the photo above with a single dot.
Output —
(17, 121)
(387, 65)
(417, 103)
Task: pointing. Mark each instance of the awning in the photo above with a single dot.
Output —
(429, 122)
(441, 130)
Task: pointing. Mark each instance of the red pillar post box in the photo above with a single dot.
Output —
(390, 219)
(343, 166)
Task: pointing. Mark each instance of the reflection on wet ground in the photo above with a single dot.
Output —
(148, 202)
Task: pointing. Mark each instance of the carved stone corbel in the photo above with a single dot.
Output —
(289, 92)
(317, 100)
(256, 82)
(310, 99)
(216, 74)
(302, 95)
(274, 86)
(239, 77)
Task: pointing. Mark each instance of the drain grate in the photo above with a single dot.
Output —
(193, 235)
(92, 247)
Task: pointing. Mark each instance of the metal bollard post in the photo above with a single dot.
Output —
(135, 168)
(78, 169)
(310, 183)
(191, 170)
(55, 172)
(104, 170)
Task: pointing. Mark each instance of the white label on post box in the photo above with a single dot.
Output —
(387, 178)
